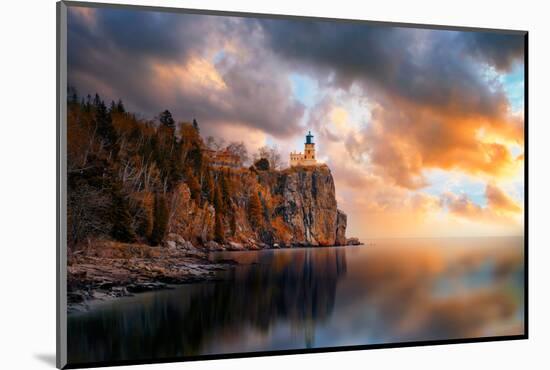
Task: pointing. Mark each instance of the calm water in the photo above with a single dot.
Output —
(394, 291)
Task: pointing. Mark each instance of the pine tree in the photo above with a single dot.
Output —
(166, 119)
(104, 122)
(262, 164)
(194, 158)
(97, 100)
(160, 219)
(72, 95)
(120, 107)
(88, 104)
(120, 216)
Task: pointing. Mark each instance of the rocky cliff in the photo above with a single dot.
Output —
(308, 206)
(286, 208)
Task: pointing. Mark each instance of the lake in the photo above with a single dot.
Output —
(389, 291)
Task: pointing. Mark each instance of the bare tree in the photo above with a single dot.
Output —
(238, 149)
(271, 154)
(215, 143)
(88, 210)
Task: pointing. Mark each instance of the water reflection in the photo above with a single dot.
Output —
(282, 299)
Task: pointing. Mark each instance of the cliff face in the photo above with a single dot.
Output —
(291, 207)
(308, 205)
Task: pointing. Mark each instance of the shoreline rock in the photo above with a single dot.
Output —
(353, 241)
(111, 270)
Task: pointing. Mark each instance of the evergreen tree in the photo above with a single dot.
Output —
(166, 119)
(120, 107)
(195, 125)
(160, 219)
(194, 158)
(88, 104)
(72, 95)
(120, 216)
(262, 164)
(105, 128)
(97, 100)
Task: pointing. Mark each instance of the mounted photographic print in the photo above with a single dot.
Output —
(235, 184)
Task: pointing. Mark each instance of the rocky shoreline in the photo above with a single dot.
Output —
(110, 270)
(106, 270)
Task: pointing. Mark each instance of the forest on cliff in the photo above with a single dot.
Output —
(145, 181)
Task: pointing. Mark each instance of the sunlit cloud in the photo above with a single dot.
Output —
(423, 129)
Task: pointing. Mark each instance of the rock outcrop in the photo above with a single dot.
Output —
(353, 241)
(341, 224)
(308, 206)
(188, 220)
(291, 207)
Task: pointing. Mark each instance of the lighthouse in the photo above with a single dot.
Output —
(308, 157)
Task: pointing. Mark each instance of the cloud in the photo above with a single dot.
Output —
(431, 90)
(500, 208)
(497, 49)
(403, 141)
(211, 68)
(500, 201)
(387, 105)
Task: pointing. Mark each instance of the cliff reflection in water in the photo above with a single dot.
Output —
(286, 299)
(269, 287)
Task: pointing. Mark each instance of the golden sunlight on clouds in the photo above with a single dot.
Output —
(339, 118)
(404, 141)
(203, 73)
(501, 209)
(437, 148)
(197, 74)
(387, 209)
(499, 201)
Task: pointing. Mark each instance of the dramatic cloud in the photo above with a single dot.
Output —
(434, 99)
(497, 49)
(196, 66)
(388, 105)
(500, 207)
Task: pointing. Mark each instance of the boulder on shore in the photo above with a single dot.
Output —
(213, 246)
(353, 241)
(234, 246)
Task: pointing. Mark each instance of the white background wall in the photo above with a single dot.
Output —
(27, 183)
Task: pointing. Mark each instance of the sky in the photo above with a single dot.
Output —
(422, 129)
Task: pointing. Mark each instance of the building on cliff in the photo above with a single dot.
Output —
(222, 158)
(308, 157)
